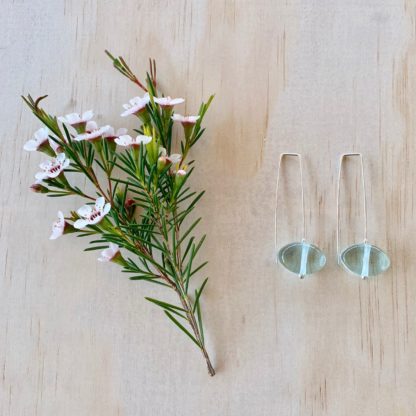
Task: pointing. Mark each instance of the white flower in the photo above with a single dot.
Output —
(168, 101)
(110, 134)
(181, 172)
(40, 137)
(126, 140)
(58, 227)
(173, 158)
(109, 253)
(135, 105)
(190, 120)
(92, 132)
(74, 119)
(52, 168)
(92, 215)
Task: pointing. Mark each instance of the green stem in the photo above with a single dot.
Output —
(179, 287)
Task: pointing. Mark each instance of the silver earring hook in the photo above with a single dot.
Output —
(282, 155)
(342, 157)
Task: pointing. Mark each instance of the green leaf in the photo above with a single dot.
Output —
(200, 325)
(165, 304)
(182, 328)
(189, 230)
(198, 294)
(95, 248)
(198, 268)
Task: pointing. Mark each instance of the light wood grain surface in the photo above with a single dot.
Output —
(318, 77)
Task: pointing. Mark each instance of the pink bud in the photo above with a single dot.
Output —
(38, 188)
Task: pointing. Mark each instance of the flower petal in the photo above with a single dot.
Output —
(124, 140)
(91, 125)
(87, 115)
(41, 134)
(176, 101)
(107, 253)
(55, 146)
(40, 176)
(110, 132)
(177, 117)
(84, 211)
(56, 233)
(72, 118)
(104, 129)
(175, 158)
(79, 224)
(31, 145)
(107, 208)
(142, 139)
(96, 219)
(114, 247)
(121, 131)
(99, 203)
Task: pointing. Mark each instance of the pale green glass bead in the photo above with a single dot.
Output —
(301, 258)
(365, 260)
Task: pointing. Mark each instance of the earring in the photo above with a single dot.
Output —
(361, 259)
(301, 258)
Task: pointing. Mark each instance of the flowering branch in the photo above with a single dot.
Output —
(140, 214)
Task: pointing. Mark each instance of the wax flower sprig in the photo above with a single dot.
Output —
(139, 213)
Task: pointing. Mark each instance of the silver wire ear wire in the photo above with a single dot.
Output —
(298, 257)
(341, 159)
(299, 156)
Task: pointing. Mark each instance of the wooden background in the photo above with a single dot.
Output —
(320, 77)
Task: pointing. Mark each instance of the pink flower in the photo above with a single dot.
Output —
(185, 120)
(173, 158)
(92, 215)
(136, 105)
(110, 134)
(58, 227)
(127, 141)
(168, 102)
(109, 253)
(92, 132)
(52, 168)
(75, 119)
(40, 139)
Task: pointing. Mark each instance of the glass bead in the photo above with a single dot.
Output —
(365, 260)
(301, 258)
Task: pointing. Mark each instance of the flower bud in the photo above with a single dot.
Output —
(38, 188)
(129, 203)
(162, 162)
(130, 207)
(180, 177)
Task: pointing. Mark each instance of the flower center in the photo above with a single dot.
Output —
(94, 215)
(55, 168)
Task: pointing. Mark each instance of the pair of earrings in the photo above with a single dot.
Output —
(303, 258)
